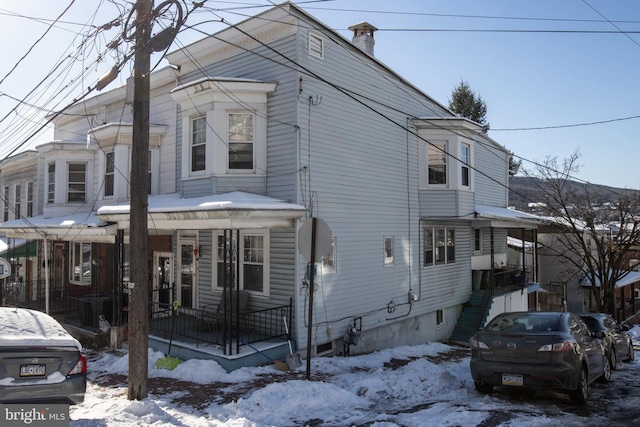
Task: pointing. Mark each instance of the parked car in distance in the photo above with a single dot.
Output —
(39, 360)
(539, 350)
(619, 344)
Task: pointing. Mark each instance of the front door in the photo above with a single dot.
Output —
(162, 278)
(187, 277)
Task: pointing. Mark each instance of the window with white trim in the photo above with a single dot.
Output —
(77, 182)
(439, 318)
(253, 247)
(109, 173)
(80, 263)
(477, 241)
(51, 183)
(17, 201)
(329, 260)
(240, 141)
(5, 216)
(198, 144)
(439, 245)
(316, 46)
(30, 199)
(437, 162)
(465, 159)
(389, 243)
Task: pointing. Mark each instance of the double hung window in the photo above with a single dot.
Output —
(439, 245)
(240, 141)
(252, 248)
(198, 144)
(465, 159)
(437, 161)
(80, 263)
(77, 184)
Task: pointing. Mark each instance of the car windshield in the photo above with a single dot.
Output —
(524, 322)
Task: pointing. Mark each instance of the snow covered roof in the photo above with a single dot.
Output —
(508, 218)
(23, 327)
(230, 210)
(632, 277)
(81, 226)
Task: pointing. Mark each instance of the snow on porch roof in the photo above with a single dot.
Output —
(508, 218)
(81, 226)
(230, 210)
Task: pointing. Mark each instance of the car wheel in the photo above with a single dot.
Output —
(606, 370)
(483, 387)
(613, 358)
(580, 394)
(632, 353)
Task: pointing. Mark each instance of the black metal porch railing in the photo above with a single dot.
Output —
(30, 294)
(200, 326)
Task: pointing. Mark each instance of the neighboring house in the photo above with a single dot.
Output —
(567, 286)
(254, 131)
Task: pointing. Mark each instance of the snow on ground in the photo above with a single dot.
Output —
(405, 386)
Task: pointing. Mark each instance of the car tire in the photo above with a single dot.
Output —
(632, 353)
(613, 358)
(606, 369)
(483, 387)
(581, 393)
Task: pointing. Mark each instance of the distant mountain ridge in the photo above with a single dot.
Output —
(524, 190)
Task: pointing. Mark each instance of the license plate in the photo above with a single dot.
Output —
(510, 379)
(32, 370)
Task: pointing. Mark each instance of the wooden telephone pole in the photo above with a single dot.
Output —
(138, 228)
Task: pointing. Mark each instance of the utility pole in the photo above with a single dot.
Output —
(138, 228)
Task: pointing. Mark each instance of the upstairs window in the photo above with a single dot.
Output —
(198, 143)
(437, 161)
(329, 260)
(18, 200)
(240, 141)
(77, 184)
(51, 179)
(465, 158)
(5, 216)
(30, 199)
(109, 174)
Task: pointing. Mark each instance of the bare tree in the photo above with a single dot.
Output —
(597, 232)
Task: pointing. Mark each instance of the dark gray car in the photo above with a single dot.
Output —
(539, 350)
(619, 344)
(39, 360)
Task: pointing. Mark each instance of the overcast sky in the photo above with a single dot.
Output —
(569, 67)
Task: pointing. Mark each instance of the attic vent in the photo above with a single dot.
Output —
(316, 46)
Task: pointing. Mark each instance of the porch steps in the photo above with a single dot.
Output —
(466, 325)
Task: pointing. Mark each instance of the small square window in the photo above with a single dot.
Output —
(439, 318)
(329, 260)
(389, 251)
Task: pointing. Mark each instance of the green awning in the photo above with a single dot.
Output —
(27, 249)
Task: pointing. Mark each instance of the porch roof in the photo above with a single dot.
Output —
(80, 227)
(506, 218)
(631, 278)
(219, 211)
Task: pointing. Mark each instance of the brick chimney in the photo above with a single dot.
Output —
(363, 37)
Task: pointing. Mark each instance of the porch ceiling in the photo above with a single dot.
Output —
(505, 218)
(221, 211)
(85, 227)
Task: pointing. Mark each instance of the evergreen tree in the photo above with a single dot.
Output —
(466, 103)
